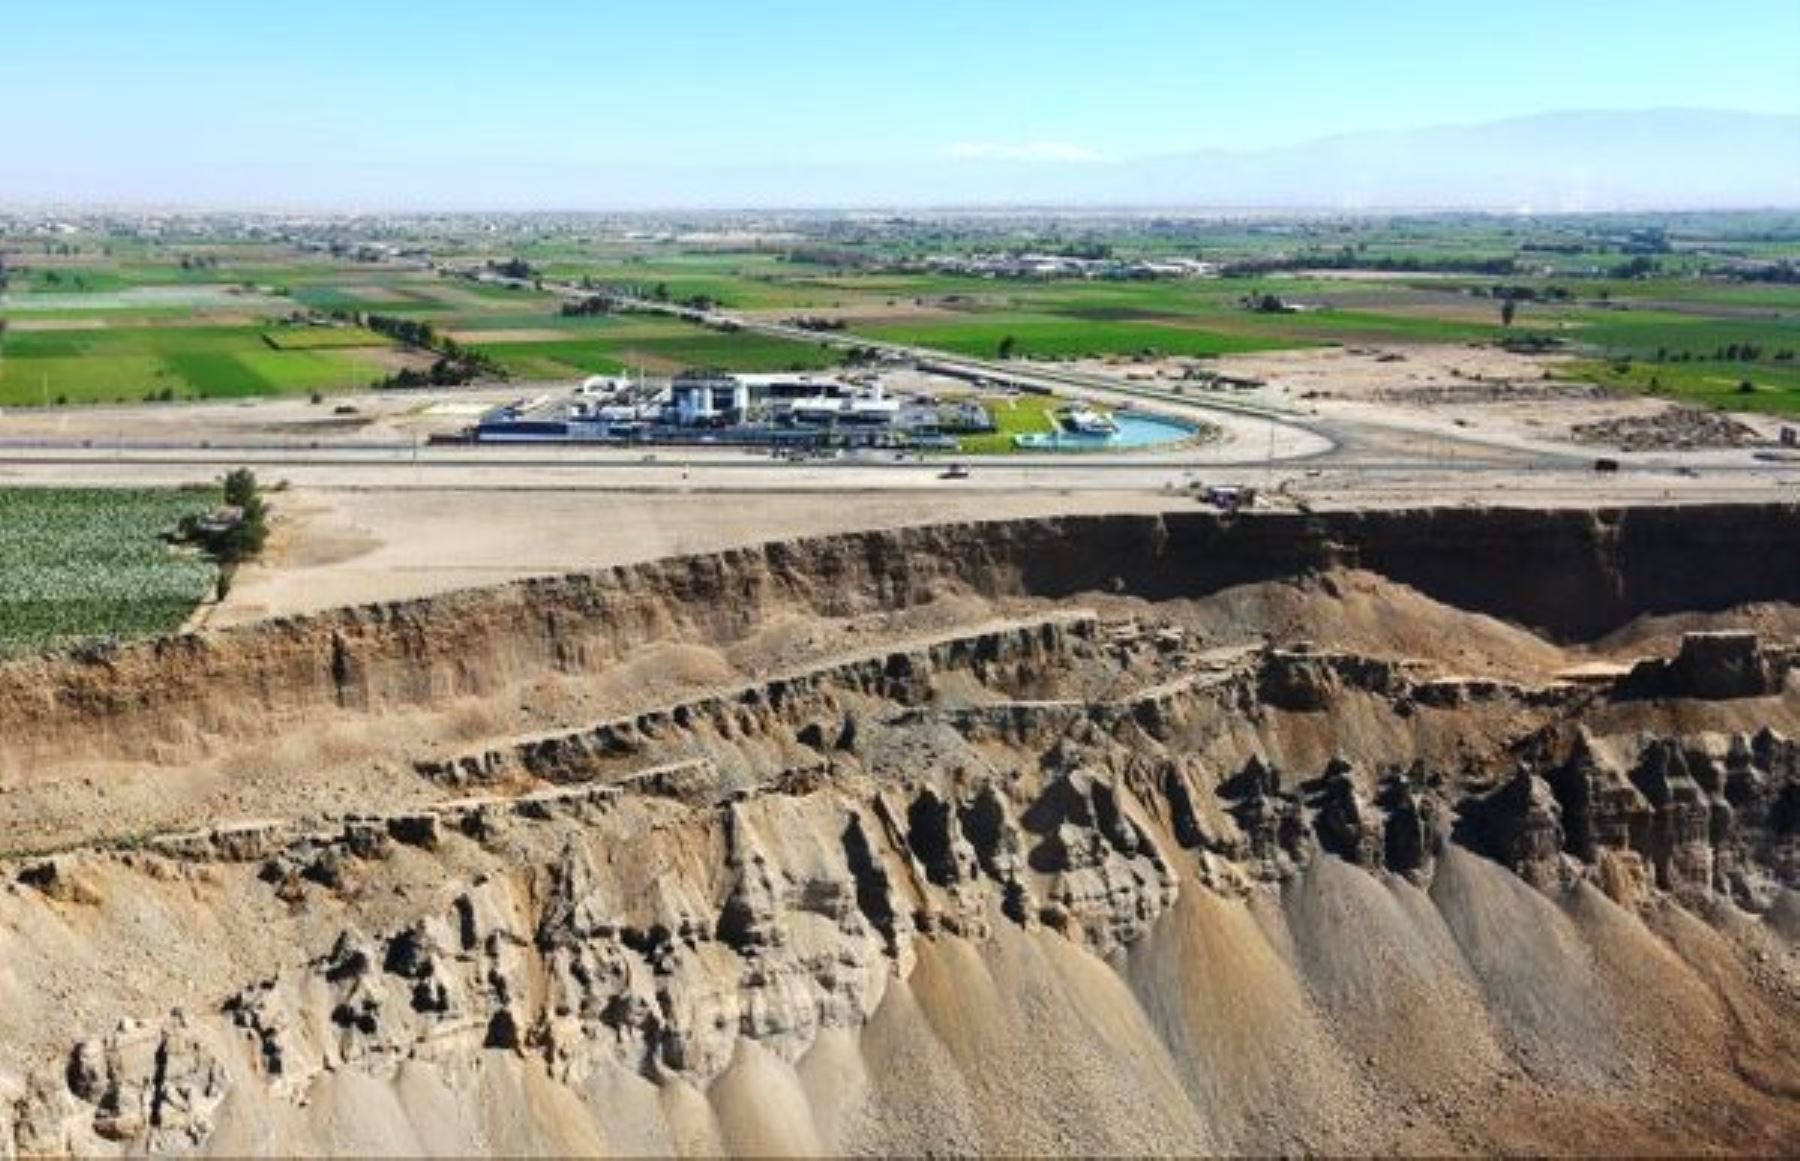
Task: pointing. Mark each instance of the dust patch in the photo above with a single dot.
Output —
(22, 325)
(513, 335)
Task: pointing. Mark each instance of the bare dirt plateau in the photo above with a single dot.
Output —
(1487, 391)
(334, 547)
(1420, 831)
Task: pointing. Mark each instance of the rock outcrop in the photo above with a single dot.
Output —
(1713, 666)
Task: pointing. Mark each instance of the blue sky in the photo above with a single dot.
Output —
(365, 101)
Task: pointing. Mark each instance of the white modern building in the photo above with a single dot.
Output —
(701, 400)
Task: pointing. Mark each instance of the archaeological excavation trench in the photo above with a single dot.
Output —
(1439, 830)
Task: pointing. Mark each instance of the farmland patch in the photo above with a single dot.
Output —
(79, 565)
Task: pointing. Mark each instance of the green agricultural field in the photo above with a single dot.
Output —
(146, 326)
(1644, 333)
(1085, 318)
(1053, 337)
(552, 360)
(1361, 326)
(658, 345)
(476, 322)
(376, 299)
(91, 564)
(1773, 388)
(33, 381)
(130, 363)
(298, 372)
(1692, 357)
(71, 282)
(733, 352)
(135, 300)
(738, 281)
(305, 338)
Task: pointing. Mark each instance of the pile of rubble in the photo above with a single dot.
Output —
(1672, 429)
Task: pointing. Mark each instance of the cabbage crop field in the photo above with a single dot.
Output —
(80, 566)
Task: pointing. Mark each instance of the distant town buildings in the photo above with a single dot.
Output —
(1049, 266)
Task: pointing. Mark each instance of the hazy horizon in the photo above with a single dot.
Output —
(804, 104)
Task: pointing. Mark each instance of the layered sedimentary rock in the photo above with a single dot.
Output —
(1087, 877)
(1570, 574)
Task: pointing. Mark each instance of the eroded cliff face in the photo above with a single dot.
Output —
(1569, 575)
(1122, 869)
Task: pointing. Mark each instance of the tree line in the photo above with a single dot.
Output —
(454, 366)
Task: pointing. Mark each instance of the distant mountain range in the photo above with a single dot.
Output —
(1549, 162)
(1664, 158)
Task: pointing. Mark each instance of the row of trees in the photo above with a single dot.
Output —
(814, 322)
(443, 372)
(1642, 266)
(55, 278)
(454, 366)
(1784, 272)
(513, 268)
(411, 332)
(1504, 290)
(589, 305)
(1729, 353)
(1347, 258)
(1264, 304)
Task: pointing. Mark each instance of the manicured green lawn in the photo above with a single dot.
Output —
(1022, 414)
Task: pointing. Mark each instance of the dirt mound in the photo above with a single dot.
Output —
(1361, 610)
(1490, 393)
(1672, 429)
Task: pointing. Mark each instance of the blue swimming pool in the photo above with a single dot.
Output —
(1135, 431)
